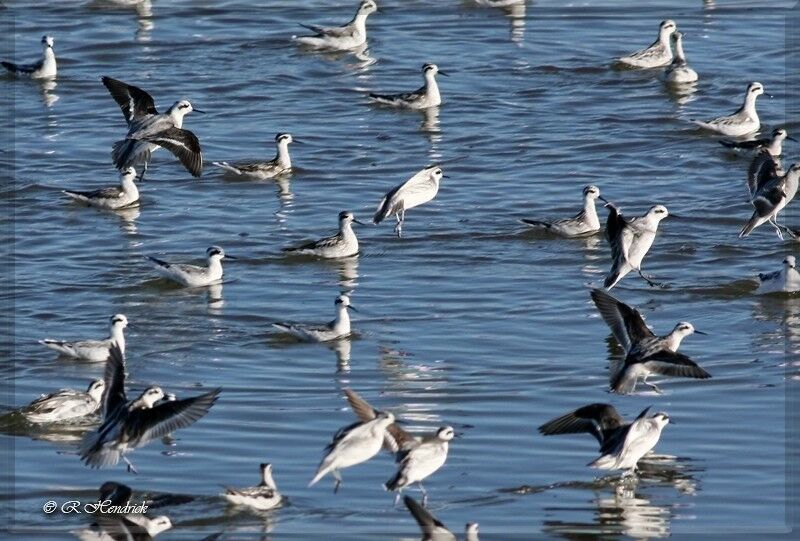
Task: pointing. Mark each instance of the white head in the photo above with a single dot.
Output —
(780, 134)
(283, 139)
(96, 389)
(183, 107)
(666, 28)
(385, 417)
(677, 39)
(217, 254)
(661, 418)
(346, 218)
(445, 433)
(471, 528)
(789, 262)
(127, 175)
(47, 42)
(592, 192)
(430, 70)
(157, 525)
(150, 396)
(684, 328)
(436, 173)
(118, 321)
(754, 90)
(657, 213)
(343, 302)
(367, 7)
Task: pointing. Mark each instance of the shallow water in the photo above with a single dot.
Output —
(468, 320)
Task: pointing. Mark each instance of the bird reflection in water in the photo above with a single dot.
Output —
(47, 87)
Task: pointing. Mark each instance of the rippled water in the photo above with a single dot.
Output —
(469, 320)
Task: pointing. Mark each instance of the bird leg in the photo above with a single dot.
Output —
(397, 499)
(651, 385)
(141, 175)
(131, 469)
(779, 228)
(424, 494)
(400, 217)
(774, 224)
(338, 481)
(648, 279)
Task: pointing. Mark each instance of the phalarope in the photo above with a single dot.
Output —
(786, 280)
(656, 55)
(338, 328)
(773, 144)
(45, 68)
(282, 163)
(421, 461)
(416, 191)
(131, 424)
(342, 244)
(65, 404)
(630, 241)
(194, 275)
(349, 36)
(586, 222)
(262, 497)
(645, 353)
(149, 130)
(636, 440)
(770, 192)
(679, 71)
(115, 197)
(422, 98)
(432, 528)
(110, 527)
(115, 493)
(743, 121)
(353, 445)
(92, 350)
(602, 421)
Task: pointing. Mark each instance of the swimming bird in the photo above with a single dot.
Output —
(131, 424)
(262, 497)
(342, 244)
(645, 353)
(773, 144)
(115, 493)
(92, 350)
(586, 222)
(338, 328)
(630, 241)
(46, 68)
(113, 527)
(65, 404)
(282, 163)
(416, 191)
(432, 528)
(115, 197)
(786, 280)
(349, 36)
(658, 54)
(743, 121)
(679, 72)
(422, 98)
(770, 192)
(602, 421)
(421, 461)
(636, 440)
(194, 275)
(149, 130)
(351, 445)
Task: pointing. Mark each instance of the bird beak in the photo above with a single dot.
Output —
(790, 138)
(357, 222)
(400, 421)
(444, 73)
(671, 421)
(446, 176)
(130, 326)
(198, 111)
(295, 141)
(701, 332)
(353, 308)
(230, 257)
(458, 435)
(603, 199)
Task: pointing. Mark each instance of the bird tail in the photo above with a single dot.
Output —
(604, 462)
(158, 262)
(228, 167)
(56, 345)
(382, 212)
(75, 195)
(382, 98)
(623, 381)
(537, 223)
(323, 470)
(728, 143)
(10, 66)
(751, 224)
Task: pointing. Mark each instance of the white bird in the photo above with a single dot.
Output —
(773, 144)
(194, 275)
(421, 461)
(342, 244)
(422, 98)
(770, 192)
(586, 222)
(45, 68)
(353, 445)
(115, 197)
(338, 328)
(679, 72)
(149, 130)
(349, 36)
(115, 527)
(630, 241)
(131, 424)
(743, 121)
(645, 353)
(432, 528)
(262, 497)
(65, 404)
(282, 163)
(786, 280)
(656, 55)
(416, 191)
(624, 451)
(92, 350)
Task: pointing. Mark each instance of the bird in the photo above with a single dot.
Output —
(65, 404)
(342, 244)
(351, 445)
(770, 192)
(130, 424)
(262, 497)
(193, 275)
(630, 241)
(113, 527)
(786, 280)
(338, 328)
(115, 493)
(679, 72)
(349, 36)
(656, 55)
(586, 222)
(432, 528)
(92, 350)
(282, 163)
(645, 353)
(149, 130)
(602, 421)
(417, 190)
(114, 197)
(632, 443)
(46, 68)
(743, 121)
(422, 98)
(773, 144)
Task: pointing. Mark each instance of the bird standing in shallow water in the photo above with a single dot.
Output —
(416, 191)
(632, 443)
(630, 241)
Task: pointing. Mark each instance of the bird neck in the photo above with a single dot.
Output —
(342, 323)
(673, 340)
(749, 105)
(431, 87)
(360, 22)
(177, 116)
(775, 147)
(283, 155)
(118, 337)
(590, 211)
(215, 265)
(346, 229)
(267, 480)
(128, 186)
(679, 56)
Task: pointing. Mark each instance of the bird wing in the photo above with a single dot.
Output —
(23, 68)
(429, 524)
(762, 170)
(672, 363)
(595, 419)
(167, 417)
(625, 322)
(396, 438)
(768, 197)
(120, 528)
(615, 226)
(617, 441)
(343, 434)
(112, 192)
(749, 145)
(388, 205)
(184, 145)
(330, 31)
(114, 378)
(134, 102)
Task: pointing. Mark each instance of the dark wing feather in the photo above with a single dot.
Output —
(23, 68)
(167, 417)
(120, 528)
(134, 102)
(596, 419)
(625, 322)
(385, 209)
(336, 32)
(427, 522)
(184, 145)
(102, 193)
(762, 171)
(671, 363)
(340, 435)
(114, 378)
(366, 413)
(749, 145)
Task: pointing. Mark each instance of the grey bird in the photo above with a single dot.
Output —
(432, 528)
(630, 241)
(773, 144)
(631, 444)
(584, 223)
(770, 191)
